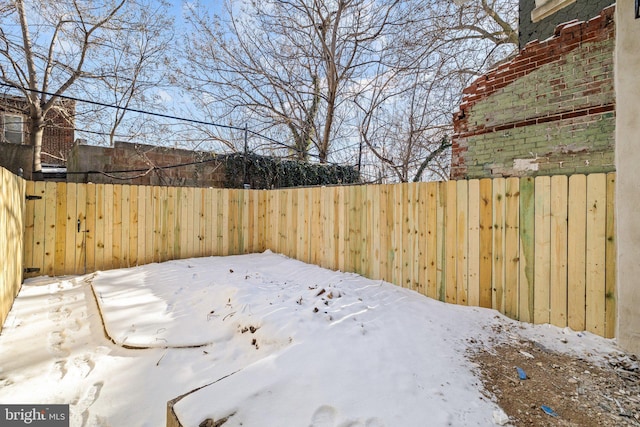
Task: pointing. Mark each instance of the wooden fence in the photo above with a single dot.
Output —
(538, 249)
(12, 205)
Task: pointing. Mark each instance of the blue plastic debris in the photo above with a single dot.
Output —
(521, 374)
(549, 411)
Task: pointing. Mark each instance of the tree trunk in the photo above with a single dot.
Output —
(35, 139)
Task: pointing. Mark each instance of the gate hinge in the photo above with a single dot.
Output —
(31, 197)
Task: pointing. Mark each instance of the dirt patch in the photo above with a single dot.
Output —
(578, 392)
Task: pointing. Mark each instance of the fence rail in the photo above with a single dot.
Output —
(12, 205)
(538, 249)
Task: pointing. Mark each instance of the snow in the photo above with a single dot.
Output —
(261, 339)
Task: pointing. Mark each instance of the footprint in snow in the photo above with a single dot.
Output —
(74, 326)
(5, 382)
(80, 413)
(84, 365)
(59, 369)
(54, 344)
(55, 298)
(371, 422)
(59, 314)
(325, 416)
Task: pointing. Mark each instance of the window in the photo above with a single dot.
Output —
(12, 131)
(546, 8)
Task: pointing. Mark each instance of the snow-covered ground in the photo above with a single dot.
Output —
(269, 341)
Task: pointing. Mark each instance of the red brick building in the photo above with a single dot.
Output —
(550, 110)
(57, 139)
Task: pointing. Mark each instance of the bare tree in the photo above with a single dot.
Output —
(47, 48)
(287, 66)
(135, 70)
(405, 109)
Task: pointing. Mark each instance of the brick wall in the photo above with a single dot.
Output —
(152, 165)
(550, 110)
(58, 136)
(581, 10)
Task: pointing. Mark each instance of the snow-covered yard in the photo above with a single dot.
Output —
(274, 342)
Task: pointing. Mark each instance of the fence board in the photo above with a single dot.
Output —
(140, 209)
(39, 227)
(132, 230)
(576, 251)
(6, 206)
(172, 197)
(236, 219)
(116, 252)
(527, 249)
(149, 224)
(13, 208)
(249, 224)
(538, 249)
(558, 262)
(270, 241)
(359, 233)
(283, 203)
(60, 227)
(596, 250)
(28, 236)
(610, 256)
(441, 223)
(160, 224)
(302, 251)
(326, 205)
(395, 238)
(99, 231)
(498, 273)
(512, 247)
(451, 242)
(80, 251)
(542, 273)
(292, 223)
(90, 235)
(402, 210)
(486, 239)
(125, 223)
(368, 237)
(71, 230)
(408, 205)
(473, 250)
(48, 215)
(201, 201)
(109, 227)
(373, 197)
(386, 224)
(462, 229)
(191, 222)
(216, 220)
(421, 237)
(316, 228)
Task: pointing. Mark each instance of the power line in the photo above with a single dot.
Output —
(133, 110)
(162, 115)
(150, 113)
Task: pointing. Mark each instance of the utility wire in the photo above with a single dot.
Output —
(150, 113)
(166, 116)
(133, 110)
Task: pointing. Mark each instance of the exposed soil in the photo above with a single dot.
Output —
(579, 392)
